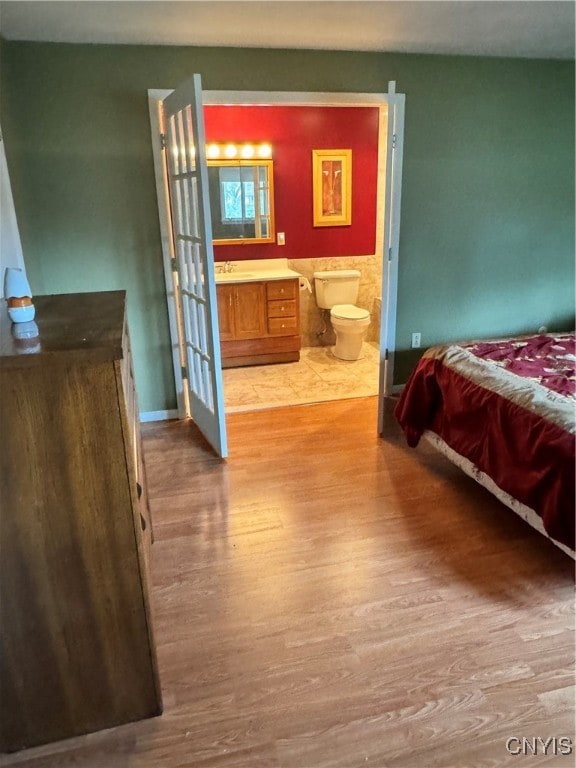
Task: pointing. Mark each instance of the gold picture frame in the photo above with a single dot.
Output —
(332, 187)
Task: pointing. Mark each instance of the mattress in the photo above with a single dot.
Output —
(507, 408)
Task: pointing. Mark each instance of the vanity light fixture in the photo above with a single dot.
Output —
(245, 151)
(215, 151)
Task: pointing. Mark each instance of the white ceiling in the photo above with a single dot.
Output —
(533, 28)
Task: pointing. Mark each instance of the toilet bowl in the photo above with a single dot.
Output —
(350, 324)
(337, 290)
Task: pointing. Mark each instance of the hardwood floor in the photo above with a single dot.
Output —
(329, 599)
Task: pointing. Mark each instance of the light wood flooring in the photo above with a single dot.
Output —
(329, 599)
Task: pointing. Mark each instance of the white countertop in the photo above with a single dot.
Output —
(253, 270)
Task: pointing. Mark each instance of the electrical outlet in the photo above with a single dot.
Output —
(416, 337)
(281, 238)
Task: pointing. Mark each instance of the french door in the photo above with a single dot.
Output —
(192, 262)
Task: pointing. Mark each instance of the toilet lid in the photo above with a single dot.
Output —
(349, 312)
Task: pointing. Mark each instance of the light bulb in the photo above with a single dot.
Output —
(264, 150)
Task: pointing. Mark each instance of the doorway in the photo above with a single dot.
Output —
(391, 111)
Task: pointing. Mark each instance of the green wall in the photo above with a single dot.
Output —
(487, 234)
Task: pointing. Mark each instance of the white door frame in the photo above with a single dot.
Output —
(394, 156)
(392, 184)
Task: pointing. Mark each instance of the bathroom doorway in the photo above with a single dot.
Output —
(319, 366)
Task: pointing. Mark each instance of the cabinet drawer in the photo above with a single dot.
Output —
(282, 308)
(282, 326)
(281, 289)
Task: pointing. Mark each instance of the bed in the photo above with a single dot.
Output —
(504, 411)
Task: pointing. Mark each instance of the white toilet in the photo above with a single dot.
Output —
(337, 290)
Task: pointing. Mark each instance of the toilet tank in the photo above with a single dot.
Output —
(336, 286)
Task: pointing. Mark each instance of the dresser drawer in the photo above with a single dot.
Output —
(282, 308)
(281, 289)
(282, 326)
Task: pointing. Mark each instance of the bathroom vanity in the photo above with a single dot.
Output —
(258, 315)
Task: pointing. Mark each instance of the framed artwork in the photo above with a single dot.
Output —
(332, 187)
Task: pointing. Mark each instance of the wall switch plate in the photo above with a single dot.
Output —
(281, 238)
(416, 338)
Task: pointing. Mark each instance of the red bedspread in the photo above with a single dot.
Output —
(508, 406)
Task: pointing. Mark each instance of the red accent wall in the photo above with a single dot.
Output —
(293, 133)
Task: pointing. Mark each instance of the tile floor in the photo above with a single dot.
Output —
(317, 377)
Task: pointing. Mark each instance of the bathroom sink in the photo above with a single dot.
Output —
(231, 277)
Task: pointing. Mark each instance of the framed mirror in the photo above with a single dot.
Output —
(241, 201)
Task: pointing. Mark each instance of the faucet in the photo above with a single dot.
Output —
(228, 266)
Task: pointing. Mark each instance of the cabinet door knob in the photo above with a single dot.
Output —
(139, 490)
(142, 522)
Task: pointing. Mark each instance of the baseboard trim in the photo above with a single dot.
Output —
(158, 415)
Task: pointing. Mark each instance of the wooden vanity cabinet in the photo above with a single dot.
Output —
(259, 322)
(242, 311)
(77, 649)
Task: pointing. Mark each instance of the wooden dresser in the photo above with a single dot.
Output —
(77, 652)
